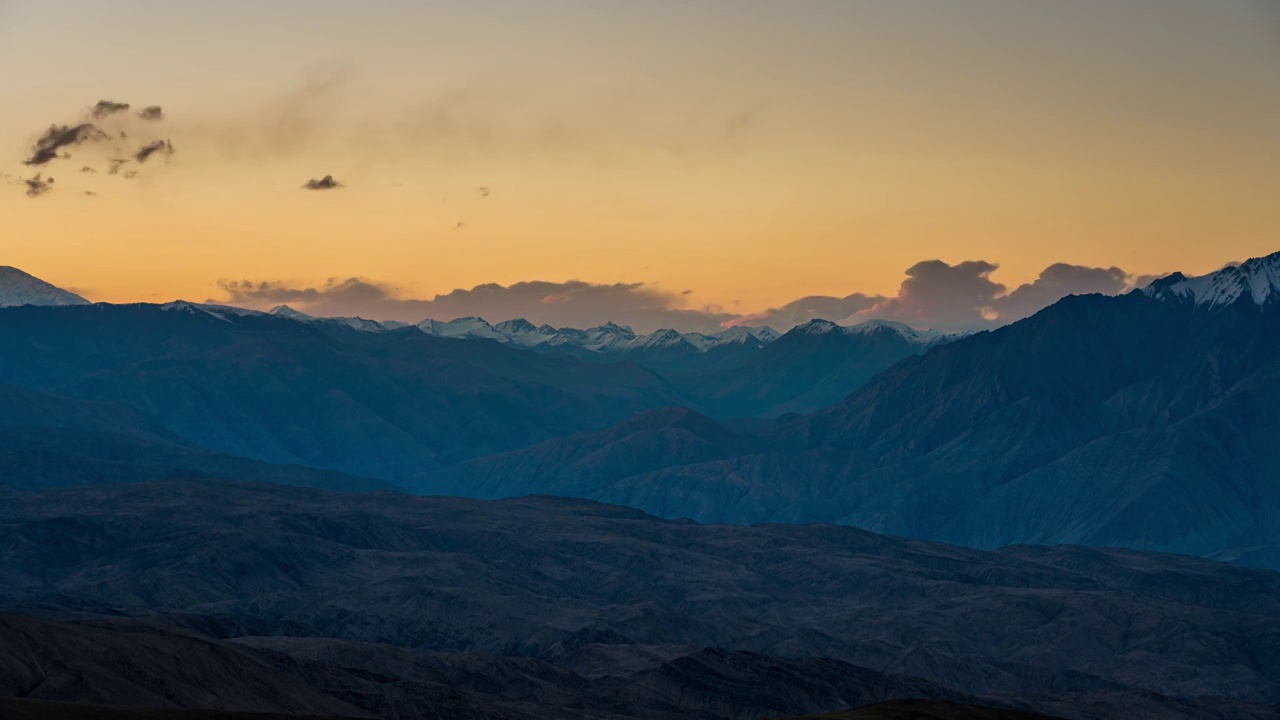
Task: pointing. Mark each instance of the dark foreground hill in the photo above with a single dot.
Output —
(407, 607)
(24, 709)
(924, 710)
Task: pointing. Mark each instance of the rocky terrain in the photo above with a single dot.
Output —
(543, 607)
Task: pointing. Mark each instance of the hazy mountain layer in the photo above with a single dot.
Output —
(272, 389)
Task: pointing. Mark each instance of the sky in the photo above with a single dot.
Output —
(694, 163)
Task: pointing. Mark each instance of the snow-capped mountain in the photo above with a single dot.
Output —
(355, 323)
(1257, 280)
(18, 288)
(467, 327)
(611, 339)
(921, 338)
(607, 339)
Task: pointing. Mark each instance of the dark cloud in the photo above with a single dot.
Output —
(573, 303)
(813, 307)
(325, 183)
(163, 147)
(152, 112)
(38, 185)
(104, 122)
(106, 108)
(58, 137)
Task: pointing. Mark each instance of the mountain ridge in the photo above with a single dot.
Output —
(1140, 420)
(18, 288)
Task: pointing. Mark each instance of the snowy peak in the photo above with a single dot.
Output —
(1256, 280)
(525, 334)
(190, 308)
(764, 334)
(817, 327)
(355, 323)
(607, 339)
(906, 332)
(467, 327)
(285, 311)
(924, 338)
(18, 288)
(664, 338)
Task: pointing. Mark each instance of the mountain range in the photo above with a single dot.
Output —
(1143, 420)
(216, 508)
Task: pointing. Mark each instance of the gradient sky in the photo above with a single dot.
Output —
(749, 151)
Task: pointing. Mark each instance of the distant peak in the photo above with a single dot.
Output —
(816, 327)
(287, 312)
(1256, 280)
(873, 327)
(464, 327)
(20, 288)
(516, 324)
(613, 327)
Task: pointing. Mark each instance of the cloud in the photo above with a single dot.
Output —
(591, 122)
(325, 183)
(1056, 282)
(813, 307)
(58, 137)
(100, 134)
(572, 304)
(106, 108)
(934, 294)
(942, 296)
(297, 121)
(964, 297)
(38, 185)
(164, 147)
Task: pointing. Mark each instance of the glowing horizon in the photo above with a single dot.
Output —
(752, 153)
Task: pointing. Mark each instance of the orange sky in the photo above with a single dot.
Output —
(751, 152)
